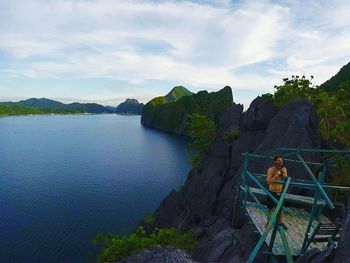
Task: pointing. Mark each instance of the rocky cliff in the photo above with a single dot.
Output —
(206, 202)
(168, 114)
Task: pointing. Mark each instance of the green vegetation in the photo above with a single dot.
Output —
(46, 106)
(202, 131)
(230, 136)
(171, 116)
(177, 93)
(114, 247)
(148, 219)
(340, 175)
(333, 109)
(334, 82)
(295, 88)
(7, 110)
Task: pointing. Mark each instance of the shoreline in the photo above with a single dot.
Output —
(51, 114)
(63, 114)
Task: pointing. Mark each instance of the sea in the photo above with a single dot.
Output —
(65, 178)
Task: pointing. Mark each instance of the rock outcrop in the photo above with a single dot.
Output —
(159, 255)
(206, 202)
(343, 253)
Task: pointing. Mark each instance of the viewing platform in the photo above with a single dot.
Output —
(305, 230)
(296, 220)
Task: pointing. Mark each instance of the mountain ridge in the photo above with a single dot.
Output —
(44, 105)
(334, 82)
(130, 106)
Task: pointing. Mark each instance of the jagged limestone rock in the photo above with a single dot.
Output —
(167, 254)
(210, 191)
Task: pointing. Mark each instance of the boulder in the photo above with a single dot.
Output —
(342, 252)
(258, 115)
(167, 254)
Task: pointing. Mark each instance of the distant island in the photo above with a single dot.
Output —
(45, 106)
(130, 106)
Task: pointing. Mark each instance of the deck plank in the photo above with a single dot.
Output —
(295, 219)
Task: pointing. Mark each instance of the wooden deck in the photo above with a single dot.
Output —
(300, 199)
(295, 219)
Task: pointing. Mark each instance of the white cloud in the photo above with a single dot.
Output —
(193, 42)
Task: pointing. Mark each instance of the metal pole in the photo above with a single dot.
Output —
(314, 213)
(318, 185)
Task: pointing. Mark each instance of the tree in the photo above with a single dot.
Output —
(202, 131)
(333, 109)
(334, 113)
(295, 88)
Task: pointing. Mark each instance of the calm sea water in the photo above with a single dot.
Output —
(65, 178)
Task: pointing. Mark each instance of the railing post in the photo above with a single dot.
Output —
(273, 236)
(245, 171)
(314, 213)
(318, 185)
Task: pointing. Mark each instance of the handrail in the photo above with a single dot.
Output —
(313, 150)
(285, 159)
(304, 183)
(264, 189)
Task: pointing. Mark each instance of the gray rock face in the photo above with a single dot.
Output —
(222, 243)
(159, 255)
(210, 192)
(259, 115)
(343, 253)
(295, 126)
(231, 118)
(317, 255)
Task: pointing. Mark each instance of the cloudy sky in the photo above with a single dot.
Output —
(106, 51)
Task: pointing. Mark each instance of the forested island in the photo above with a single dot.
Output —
(43, 106)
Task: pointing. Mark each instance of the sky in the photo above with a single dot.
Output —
(105, 51)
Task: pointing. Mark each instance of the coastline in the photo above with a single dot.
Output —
(52, 114)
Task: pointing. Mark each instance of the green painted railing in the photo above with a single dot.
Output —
(315, 183)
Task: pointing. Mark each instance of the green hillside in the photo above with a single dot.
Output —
(172, 116)
(177, 93)
(7, 110)
(47, 106)
(334, 82)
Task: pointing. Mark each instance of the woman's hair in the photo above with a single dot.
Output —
(278, 156)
